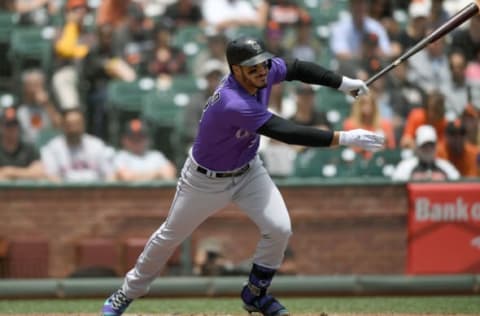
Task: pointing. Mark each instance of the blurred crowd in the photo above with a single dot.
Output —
(77, 75)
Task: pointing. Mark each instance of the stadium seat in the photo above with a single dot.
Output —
(327, 163)
(161, 110)
(96, 253)
(324, 12)
(7, 24)
(162, 107)
(186, 83)
(334, 103)
(132, 247)
(27, 257)
(191, 40)
(188, 34)
(3, 257)
(180, 141)
(382, 163)
(245, 31)
(45, 135)
(125, 101)
(30, 47)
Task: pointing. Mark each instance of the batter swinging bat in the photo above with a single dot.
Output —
(460, 17)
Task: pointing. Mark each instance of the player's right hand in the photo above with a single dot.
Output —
(362, 138)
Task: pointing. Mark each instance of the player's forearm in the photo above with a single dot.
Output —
(312, 73)
(294, 134)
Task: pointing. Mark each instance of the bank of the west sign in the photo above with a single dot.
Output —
(443, 228)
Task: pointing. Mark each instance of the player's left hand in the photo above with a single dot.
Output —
(362, 138)
(350, 85)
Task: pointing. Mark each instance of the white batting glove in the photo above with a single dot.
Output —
(349, 85)
(362, 138)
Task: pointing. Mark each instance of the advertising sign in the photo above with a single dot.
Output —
(443, 228)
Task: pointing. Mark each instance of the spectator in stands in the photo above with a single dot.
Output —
(305, 114)
(382, 11)
(134, 40)
(212, 71)
(472, 72)
(472, 75)
(458, 150)
(284, 13)
(102, 65)
(348, 33)
(184, 12)
(468, 40)
(429, 67)
(166, 59)
(135, 162)
(223, 15)
(274, 40)
(36, 13)
(112, 12)
(367, 63)
(7, 5)
(304, 45)
(371, 61)
(19, 160)
(76, 156)
(277, 102)
(36, 111)
(404, 96)
(471, 120)
(365, 114)
(424, 166)
(457, 90)
(433, 113)
(438, 14)
(417, 25)
(70, 49)
(216, 45)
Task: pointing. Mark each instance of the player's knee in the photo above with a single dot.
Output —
(281, 232)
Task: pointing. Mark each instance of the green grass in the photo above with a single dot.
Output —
(427, 305)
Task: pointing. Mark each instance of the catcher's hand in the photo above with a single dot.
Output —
(362, 138)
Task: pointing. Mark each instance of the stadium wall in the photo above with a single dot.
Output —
(339, 227)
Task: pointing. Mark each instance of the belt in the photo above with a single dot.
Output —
(214, 174)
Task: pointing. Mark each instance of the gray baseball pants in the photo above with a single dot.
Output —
(197, 197)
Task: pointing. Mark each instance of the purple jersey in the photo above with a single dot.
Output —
(227, 137)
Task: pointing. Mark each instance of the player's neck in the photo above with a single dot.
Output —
(250, 88)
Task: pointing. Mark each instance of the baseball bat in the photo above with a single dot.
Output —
(459, 18)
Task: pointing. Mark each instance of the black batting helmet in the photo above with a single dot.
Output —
(246, 51)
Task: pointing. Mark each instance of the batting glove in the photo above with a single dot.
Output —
(351, 85)
(362, 138)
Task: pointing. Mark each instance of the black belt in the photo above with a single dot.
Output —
(213, 174)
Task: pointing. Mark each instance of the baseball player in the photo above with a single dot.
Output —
(223, 166)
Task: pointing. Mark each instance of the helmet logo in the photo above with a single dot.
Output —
(254, 44)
